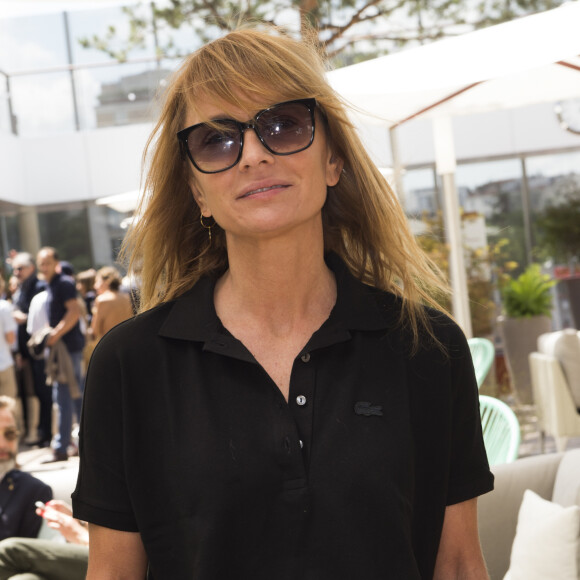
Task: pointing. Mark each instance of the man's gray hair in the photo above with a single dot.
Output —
(24, 259)
(7, 402)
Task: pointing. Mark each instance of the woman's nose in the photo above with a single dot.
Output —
(254, 152)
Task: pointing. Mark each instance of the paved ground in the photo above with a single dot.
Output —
(61, 476)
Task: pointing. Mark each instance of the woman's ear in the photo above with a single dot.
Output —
(199, 198)
(334, 167)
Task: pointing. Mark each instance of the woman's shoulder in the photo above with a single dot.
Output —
(107, 296)
(137, 328)
(435, 327)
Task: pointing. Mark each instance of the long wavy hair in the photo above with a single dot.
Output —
(362, 219)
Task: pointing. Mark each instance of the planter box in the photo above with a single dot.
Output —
(520, 338)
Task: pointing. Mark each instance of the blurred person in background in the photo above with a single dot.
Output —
(11, 289)
(8, 328)
(35, 395)
(38, 559)
(64, 314)
(86, 289)
(112, 305)
(18, 490)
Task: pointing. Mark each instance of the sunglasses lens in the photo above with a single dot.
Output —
(215, 147)
(286, 128)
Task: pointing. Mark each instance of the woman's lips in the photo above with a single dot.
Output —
(262, 190)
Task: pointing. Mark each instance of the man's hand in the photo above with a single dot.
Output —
(19, 317)
(58, 515)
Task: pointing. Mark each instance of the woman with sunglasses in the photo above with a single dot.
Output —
(285, 406)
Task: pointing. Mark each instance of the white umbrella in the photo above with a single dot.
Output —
(530, 60)
(121, 202)
(525, 61)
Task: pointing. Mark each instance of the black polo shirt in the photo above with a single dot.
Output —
(186, 439)
(61, 289)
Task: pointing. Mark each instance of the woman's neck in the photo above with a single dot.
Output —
(277, 283)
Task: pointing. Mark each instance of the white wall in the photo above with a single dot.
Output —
(88, 165)
(510, 132)
(72, 166)
(11, 168)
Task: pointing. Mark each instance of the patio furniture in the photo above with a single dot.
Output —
(555, 407)
(501, 430)
(565, 346)
(483, 354)
(553, 476)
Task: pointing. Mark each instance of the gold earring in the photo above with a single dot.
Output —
(208, 228)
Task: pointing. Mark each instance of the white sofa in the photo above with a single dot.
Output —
(565, 346)
(553, 476)
(555, 375)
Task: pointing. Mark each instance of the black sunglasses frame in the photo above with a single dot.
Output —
(182, 135)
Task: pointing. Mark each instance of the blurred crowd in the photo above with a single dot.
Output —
(51, 318)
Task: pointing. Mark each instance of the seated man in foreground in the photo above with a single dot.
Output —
(48, 559)
(18, 490)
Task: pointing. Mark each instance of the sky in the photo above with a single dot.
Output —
(32, 38)
(10, 8)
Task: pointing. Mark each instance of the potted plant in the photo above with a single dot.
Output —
(527, 303)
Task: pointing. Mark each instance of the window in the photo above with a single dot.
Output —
(494, 189)
(67, 230)
(554, 184)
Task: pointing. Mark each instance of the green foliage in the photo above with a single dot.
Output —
(432, 243)
(495, 11)
(486, 269)
(507, 223)
(559, 228)
(528, 294)
(343, 26)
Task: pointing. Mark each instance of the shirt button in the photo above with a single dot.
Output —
(301, 400)
(305, 357)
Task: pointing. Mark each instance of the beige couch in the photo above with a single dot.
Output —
(553, 476)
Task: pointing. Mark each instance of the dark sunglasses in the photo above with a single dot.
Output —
(283, 129)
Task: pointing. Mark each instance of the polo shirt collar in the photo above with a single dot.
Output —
(358, 306)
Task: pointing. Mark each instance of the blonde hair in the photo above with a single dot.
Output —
(363, 220)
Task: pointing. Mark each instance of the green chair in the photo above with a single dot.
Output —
(501, 430)
(482, 353)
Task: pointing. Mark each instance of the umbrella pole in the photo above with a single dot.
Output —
(446, 163)
(397, 167)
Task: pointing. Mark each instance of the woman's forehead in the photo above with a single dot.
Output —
(205, 108)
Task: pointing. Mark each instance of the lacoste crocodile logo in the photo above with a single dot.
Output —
(367, 409)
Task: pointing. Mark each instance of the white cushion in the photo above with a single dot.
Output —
(547, 541)
(565, 346)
